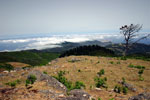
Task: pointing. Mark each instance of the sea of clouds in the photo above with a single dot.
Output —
(52, 41)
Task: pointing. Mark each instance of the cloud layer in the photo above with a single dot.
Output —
(54, 41)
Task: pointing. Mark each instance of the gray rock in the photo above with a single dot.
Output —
(76, 94)
(142, 96)
(68, 98)
(52, 82)
(129, 86)
(1, 75)
(74, 60)
(18, 69)
(79, 94)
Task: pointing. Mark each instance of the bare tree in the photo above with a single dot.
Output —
(130, 33)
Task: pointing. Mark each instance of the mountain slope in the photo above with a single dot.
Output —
(83, 69)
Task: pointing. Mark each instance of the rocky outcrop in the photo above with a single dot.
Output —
(49, 79)
(129, 86)
(76, 94)
(141, 96)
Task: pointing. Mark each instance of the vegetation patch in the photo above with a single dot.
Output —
(60, 77)
(101, 72)
(13, 83)
(136, 66)
(28, 57)
(31, 79)
(101, 82)
(6, 67)
(91, 50)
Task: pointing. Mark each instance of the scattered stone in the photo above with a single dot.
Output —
(129, 86)
(1, 75)
(99, 89)
(74, 60)
(76, 94)
(68, 98)
(79, 94)
(141, 96)
(6, 71)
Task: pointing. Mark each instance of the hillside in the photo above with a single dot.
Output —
(136, 49)
(29, 57)
(91, 50)
(83, 69)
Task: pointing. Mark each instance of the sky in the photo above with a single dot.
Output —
(19, 17)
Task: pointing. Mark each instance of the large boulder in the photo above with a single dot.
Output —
(141, 96)
(52, 82)
(76, 94)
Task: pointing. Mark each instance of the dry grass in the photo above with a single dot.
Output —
(89, 66)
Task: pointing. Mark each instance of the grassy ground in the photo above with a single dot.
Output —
(85, 69)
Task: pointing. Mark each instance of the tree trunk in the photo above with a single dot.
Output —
(126, 49)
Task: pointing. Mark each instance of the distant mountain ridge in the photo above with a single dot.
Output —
(69, 45)
(137, 48)
(117, 48)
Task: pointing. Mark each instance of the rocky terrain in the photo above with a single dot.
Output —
(102, 78)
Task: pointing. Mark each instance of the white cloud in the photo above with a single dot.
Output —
(55, 40)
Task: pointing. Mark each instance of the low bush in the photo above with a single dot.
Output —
(79, 70)
(125, 90)
(30, 80)
(123, 58)
(60, 77)
(6, 67)
(118, 62)
(138, 66)
(99, 99)
(117, 89)
(112, 62)
(123, 80)
(44, 72)
(140, 72)
(13, 83)
(79, 85)
(101, 82)
(112, 99)
(101, 72)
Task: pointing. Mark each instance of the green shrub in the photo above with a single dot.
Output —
(92, 99)
(101, 72)
(123, 58)
(138, 66)
(98, 62)
(117, 89)
(79, 70)
(7, 67)
(30, 80)
(99, 99)
(13, 83)
(118, 62)
(125, 90)
(141, 78)
(141, 71)
(44, 72)
(100, 82)
(112, 99)
(112, 62)
(78, 85)
(123, 80)
(60, 77)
